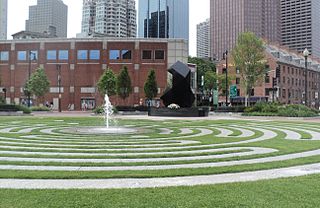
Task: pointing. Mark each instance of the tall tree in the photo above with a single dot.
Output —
(202, 67)
(150, 86)
(107, 83)
(124, 87)
(249, 57)
(38, 84)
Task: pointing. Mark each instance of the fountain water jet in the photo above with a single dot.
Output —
(108, 111)
(107, 129)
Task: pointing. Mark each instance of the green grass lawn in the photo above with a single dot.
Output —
(151, 129)
(281, 193)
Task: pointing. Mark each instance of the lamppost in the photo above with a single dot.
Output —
(306, 54)
(225, 57)
(59, 85)
(29, 72)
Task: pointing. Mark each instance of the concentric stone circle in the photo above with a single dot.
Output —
(162, 145)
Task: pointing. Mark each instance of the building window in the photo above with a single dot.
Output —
(114, 54)
(33, 55)
(82, 54)
(51, 55)
(22, 55)
(237, 81)
(252, 92)
(4, 56)
(146, 54)
(63, 54)
(126, 54)
(267, 78)
(159, 54)
(94, 55)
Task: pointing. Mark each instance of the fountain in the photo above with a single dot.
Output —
(108, 111)
(107, 129)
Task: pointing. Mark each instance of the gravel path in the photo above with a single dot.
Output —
(161, 182)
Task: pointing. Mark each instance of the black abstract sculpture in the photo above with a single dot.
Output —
(180, 93)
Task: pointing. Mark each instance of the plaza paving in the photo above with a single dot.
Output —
(160, 144)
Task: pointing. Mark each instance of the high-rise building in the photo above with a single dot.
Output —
(300, 26)
(49, 16)
(203, 39)
(109, 18)
(164, 19)
(3, 19)
(229, 18)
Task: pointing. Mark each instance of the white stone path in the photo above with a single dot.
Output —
(160, 182)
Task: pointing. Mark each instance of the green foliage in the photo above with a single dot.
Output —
(24, 109)
(100, 110)
(222, 81)
(275, 109)
(2, 101)
(14, 108)
(107, 83)
(150, 86)
(210, 80)
(39, 108)
(203, 66)
(124, 87)
(249, 57)
(38, 84)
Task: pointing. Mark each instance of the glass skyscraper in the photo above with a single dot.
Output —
(164, 19)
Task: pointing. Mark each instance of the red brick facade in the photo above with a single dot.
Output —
(79, 76)
(290, 86)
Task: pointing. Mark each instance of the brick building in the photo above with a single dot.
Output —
(288, 83)
(82, 62)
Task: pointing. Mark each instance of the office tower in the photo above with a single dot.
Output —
(3, 19)
(300, 26)
(203, 39)
(48, 16)
(164, 19)
(109, 18)
(229, 18)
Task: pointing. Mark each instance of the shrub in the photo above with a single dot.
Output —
(38, 108)
(2, 101)
(14, 108)
(24, 109)
(275, 109)
(100, 110)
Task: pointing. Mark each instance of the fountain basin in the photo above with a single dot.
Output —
(100, 130)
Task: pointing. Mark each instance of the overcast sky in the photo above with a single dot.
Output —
(18, 13)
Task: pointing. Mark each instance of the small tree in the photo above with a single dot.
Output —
(249, 57)
(210, 80)
(124, 87)
(107, 83)
(38, 84)
(150, 86)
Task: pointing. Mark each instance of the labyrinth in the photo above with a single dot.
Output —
(52, 149)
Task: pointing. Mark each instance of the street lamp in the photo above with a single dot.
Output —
(29, 71)
(59, 85)
(306, 54)
(225, 57)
